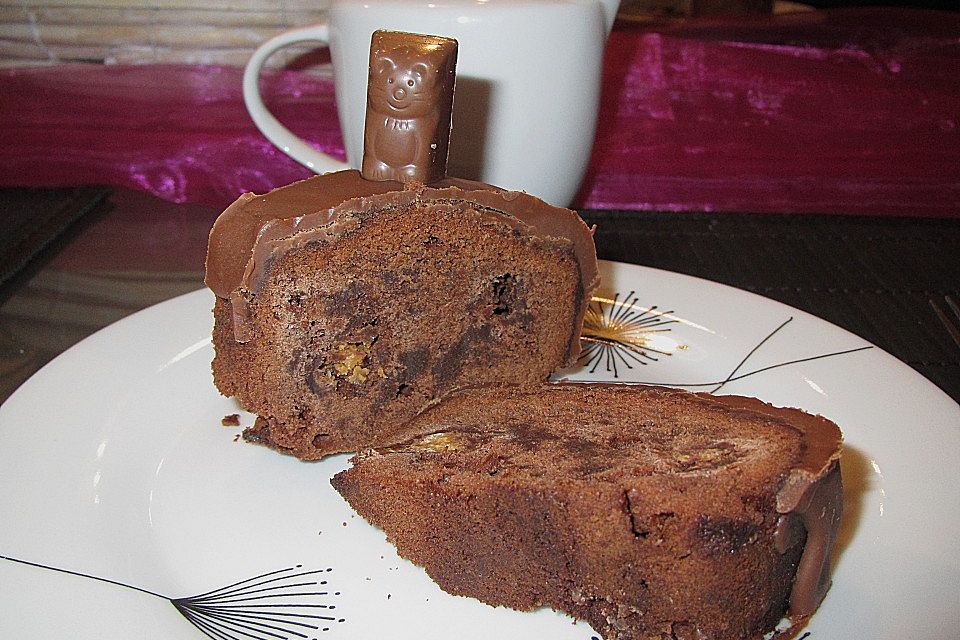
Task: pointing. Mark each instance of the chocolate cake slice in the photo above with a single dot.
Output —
(345, 306)
(648, 512)
(348, 302)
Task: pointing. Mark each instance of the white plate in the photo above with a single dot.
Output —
(114, 465)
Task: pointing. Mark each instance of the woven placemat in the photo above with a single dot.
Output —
(33, 219)
(874, 277)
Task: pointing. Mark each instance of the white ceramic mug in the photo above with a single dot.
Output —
(527, 91)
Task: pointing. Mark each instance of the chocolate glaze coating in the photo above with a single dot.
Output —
(811, 496)
(249, 233)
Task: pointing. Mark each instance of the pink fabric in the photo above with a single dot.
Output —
(848, 111)
(851, 111)
(179, 132)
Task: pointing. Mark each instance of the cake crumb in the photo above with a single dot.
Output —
(232, 420)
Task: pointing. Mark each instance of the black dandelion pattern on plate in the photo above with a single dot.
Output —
(617, 333)
(263, 607)
(280, 605)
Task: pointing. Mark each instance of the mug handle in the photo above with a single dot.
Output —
(278, 134)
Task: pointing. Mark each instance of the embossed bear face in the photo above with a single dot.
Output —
(402, 86)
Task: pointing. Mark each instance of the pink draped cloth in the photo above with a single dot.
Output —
(849, 111)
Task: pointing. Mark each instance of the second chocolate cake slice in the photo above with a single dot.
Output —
(648, 512)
